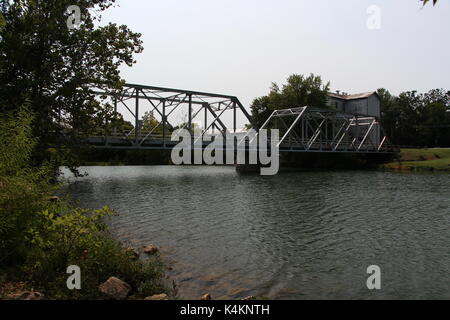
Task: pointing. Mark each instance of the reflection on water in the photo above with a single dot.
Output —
(301, 235)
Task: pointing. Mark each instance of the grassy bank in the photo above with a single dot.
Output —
(435, 159)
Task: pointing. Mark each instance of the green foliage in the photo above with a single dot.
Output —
(22, 190)
(79, 238)
(53, 67)
(299, 91)
(39, 238)
(151, 124)
(413, 119)
(16, 146)
(435, 159)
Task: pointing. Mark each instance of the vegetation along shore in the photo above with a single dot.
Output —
(434, 159)
(42, 235)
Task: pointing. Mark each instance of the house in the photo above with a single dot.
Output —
(362, 105)
(367, 104)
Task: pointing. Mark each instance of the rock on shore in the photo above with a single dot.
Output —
(151, 249)
(155, 297)
(114, 288)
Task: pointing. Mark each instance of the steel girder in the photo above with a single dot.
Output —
(164, 102)
(312, 129)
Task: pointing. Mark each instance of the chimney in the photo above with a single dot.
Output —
(338, 91)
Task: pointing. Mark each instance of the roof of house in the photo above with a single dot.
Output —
(352, 96)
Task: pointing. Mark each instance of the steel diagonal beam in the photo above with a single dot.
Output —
(226, 107)
(218, 102)
(175, 98)
(316, 134)
(216, 118)
(125, 135)
(308, 125)
(373, 143)
(268, 119)
(246, 114)
(176, 106)
(293, 131)
(344, 134)
(151, 102)
(367, 134)
(121, 100)
(156, 108)
(292, 126)
(339, 132)
(385, 140)
(193, 117)
(262, 127)
(381, 144)
(151, 131)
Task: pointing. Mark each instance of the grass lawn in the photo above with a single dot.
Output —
(435, 159)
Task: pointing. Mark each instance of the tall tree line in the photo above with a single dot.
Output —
(409, 119)
(417, 119)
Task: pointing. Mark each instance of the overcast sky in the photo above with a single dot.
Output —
(239, 47)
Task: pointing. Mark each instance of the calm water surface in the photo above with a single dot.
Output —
(300, 235)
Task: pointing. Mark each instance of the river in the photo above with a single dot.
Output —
(296, 235)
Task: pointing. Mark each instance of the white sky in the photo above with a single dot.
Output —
(239, 47)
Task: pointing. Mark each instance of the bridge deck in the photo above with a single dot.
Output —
(157, 143)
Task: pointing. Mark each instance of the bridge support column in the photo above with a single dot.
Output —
(234, 117)
(136, 118)
(164, 122)
(206, 117)
(190, 122)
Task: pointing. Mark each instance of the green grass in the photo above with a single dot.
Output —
(435, 159)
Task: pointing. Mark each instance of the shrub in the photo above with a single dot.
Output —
(39, 239)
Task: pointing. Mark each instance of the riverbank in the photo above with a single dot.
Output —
(421, 160)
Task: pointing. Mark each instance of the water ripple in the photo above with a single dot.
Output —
(293, 236)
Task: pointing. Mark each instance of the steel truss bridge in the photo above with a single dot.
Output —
(209, 115)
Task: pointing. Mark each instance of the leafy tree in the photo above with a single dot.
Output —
(149, 123)
(55, 67)
(389, 114)
(435, 118)
(261, 110)
(299, 91)
(426, 1)
(414, 119)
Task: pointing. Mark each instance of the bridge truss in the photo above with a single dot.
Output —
(303, 129)
(217, 113)
(310, 129)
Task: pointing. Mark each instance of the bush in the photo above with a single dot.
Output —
(39, 238)
(79, 238)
